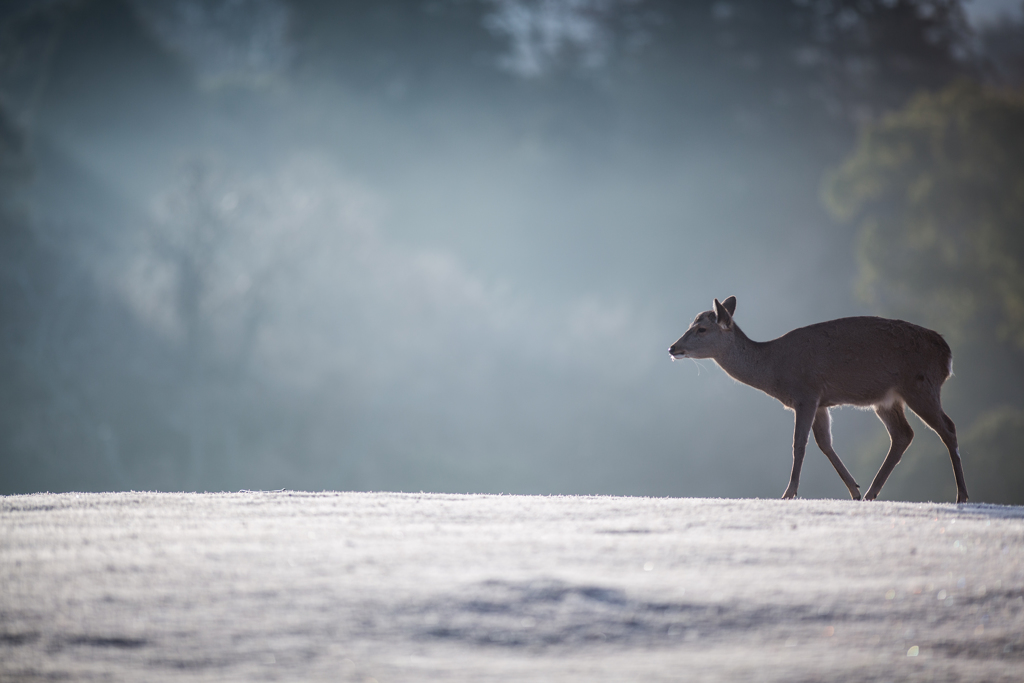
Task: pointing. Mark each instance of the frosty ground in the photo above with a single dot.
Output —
(421, 587)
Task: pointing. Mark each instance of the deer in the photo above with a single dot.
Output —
(867, 362)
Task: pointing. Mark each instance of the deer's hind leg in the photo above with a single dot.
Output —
(929, 409)
(900, 434)
(823, 437)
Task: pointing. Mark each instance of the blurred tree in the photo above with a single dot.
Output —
(1001, 51)
(995, 444)
(847, 59)
(937, 190)
(745, 69)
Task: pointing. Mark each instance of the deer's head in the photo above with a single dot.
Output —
(709, 333)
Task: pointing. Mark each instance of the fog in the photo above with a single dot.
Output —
(433, 246)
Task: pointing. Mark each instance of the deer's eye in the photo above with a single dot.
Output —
(701, 330)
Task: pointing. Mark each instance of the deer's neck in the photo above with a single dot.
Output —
(749, 362)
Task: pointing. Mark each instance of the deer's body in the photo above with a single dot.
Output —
(868, 362)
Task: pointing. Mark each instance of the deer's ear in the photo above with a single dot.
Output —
(730, 305)
(724, 318)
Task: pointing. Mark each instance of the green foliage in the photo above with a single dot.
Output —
(938, 191)
(994, 448)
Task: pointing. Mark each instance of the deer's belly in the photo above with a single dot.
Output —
(862, 399)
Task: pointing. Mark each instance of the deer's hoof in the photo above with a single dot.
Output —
(789, 495)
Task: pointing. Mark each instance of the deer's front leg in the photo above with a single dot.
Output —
(801, 431)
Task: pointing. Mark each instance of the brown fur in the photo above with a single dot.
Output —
(866, 361)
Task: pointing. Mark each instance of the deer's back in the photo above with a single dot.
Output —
(862, 360)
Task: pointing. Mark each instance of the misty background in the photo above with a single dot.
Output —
(445, 245)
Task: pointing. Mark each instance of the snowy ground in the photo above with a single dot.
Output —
(416, 587)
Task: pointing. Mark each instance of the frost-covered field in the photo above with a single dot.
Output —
(417, 587)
